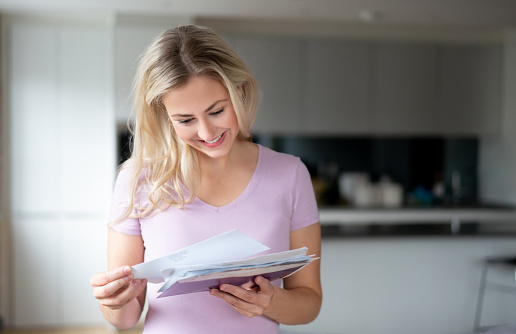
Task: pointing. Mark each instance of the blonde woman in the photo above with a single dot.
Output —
(194, 173)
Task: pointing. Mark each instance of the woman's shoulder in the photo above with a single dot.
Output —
(126, 172)
(283, 161)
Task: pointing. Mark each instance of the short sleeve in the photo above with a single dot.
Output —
(119, 205)
(304, 208)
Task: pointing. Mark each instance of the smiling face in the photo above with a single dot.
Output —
(202, 115)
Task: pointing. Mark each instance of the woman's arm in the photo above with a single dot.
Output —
(121, 297)
(300, 299)
(298, 302)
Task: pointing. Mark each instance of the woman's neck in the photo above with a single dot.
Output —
(239, 154)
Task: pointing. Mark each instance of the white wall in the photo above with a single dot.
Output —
(497, 158)
(409, 285)
(132, 36)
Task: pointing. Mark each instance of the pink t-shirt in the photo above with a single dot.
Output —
(278, 199)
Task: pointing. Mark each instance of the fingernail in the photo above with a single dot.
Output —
(213, 292)
(137, 283)
(127, 270)
(128, 277)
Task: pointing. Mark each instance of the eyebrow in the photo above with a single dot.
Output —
(206, 110)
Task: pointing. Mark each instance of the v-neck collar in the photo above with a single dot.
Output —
(244, 194)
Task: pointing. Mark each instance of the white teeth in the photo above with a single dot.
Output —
(214, 140)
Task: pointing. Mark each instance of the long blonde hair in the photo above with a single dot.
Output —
(171, 59)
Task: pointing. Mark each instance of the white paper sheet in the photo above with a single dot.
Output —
(229, 246)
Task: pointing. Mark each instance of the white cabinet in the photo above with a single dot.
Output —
(335, 90)
(86, 145)
(275, 63)
(469, 89)
(54, 258)
(62, 133)
(36, 285)
(61, 119)
(403, 89)
(82, 253)
(34, 119)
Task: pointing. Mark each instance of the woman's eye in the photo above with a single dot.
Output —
(185, 121)
(218, 112)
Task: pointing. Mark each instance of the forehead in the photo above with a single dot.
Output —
(196, 95)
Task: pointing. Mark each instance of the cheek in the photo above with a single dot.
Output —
(184, 133)
(233, 120)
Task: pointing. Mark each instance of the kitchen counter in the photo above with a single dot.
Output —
(456, 217)
(422, 215)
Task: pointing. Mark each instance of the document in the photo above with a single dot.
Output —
(225, 258)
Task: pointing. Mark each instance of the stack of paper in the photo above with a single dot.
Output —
(218, 260)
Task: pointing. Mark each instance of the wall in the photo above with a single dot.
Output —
(4, 202)
(132, 36)
(497, 161)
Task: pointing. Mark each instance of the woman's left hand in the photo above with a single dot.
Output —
(248, 301)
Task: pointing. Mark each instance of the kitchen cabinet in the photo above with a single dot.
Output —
(62, 131)
(403, 92)
(343, 87)
(335, 91)
(276, 65)
(61, 120)
(54, 258)
(469, 89)
(406, 283)
(37, 291)
(33, 83)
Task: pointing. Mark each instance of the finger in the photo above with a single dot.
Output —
(126, 295)
(249, 285)
(111, 288)
(245, 308)
(109, 276)
(238, 292)
(265, 285)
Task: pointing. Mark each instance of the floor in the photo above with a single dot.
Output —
(80, 330)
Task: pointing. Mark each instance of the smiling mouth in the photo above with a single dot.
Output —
(214, 140)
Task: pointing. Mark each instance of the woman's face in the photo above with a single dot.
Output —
(203, 116)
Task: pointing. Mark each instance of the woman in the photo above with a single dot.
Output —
(193, 174)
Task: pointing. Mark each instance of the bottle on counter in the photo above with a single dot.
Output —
(349, 183)
(391, 193)
(439, 189)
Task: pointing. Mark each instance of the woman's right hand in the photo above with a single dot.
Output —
(116, 288)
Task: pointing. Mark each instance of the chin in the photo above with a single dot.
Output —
(216, 153)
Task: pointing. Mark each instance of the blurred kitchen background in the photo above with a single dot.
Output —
(403, 111)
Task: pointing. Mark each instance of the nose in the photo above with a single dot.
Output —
(206, 131)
